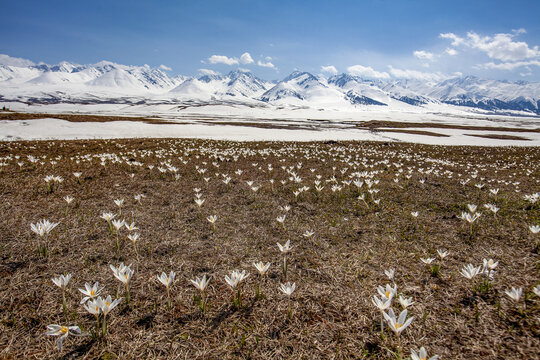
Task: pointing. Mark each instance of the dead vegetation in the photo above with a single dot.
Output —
(336, 271)
(8, 115)
(499, 136)
(414, 132)
(381, 124)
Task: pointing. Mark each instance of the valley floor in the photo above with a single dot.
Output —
(61, 122)
(351, 210)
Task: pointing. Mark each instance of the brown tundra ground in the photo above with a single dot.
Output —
(336, 270)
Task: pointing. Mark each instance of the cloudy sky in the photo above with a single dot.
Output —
(374, 38)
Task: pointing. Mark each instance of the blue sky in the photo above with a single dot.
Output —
(372, 38)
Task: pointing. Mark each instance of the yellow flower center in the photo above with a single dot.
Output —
(92, 292)
(107, 303)
(398, 325)
(64, 330)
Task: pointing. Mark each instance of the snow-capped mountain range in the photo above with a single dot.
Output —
(107, 82)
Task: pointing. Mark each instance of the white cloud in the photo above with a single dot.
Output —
(456, 40)
(502, 47)
(451, 51)
(164, 67)
(499, 46)
(14, 61)
(509, 65)
(246, 58)
(416, 75)
(330, 69)
(266, 64)
(367, 71)
(424, 55)
(222, 59)
(208, 72)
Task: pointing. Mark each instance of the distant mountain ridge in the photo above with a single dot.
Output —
(107, 81)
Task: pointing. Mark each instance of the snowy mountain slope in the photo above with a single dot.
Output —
(103, 82)
(245, 84)
(16, 74)
(481, 93)
(374, 92)
(235, 84)
(104, 75)
(302, 87)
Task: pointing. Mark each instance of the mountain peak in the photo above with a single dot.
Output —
(300, 88)
(298, 74)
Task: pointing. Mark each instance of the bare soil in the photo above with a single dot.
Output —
(380, 124)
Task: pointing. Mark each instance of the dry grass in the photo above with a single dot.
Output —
(9, 115)
(381, 124)
(336, 272)
(414, 132)
(499, 137)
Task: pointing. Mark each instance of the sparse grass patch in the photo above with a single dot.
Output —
(336, 268)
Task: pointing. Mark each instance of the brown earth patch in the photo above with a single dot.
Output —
(415, 132)
(499, 137)
(377, 124)
(8, 115)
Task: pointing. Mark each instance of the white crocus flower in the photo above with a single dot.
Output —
(107, 304)
(43, 227)
(470, 271)
(62, 281)
(286, 247)
(92, 307)
(422, 355)
(288, 288)
(490, 264)
(390, 273)
(442, 253)
(118, 224)
(381, 304)
(165, 279)
(235, 278)
(134, 237)
(514, 293)
(387, 292)
(90, 292)
(199, 202)
(201, 284)
(399, 324)
(405, 302)
(261, 267)
(131, 227)
(107, 216)
(63, 332)
(123, 273)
